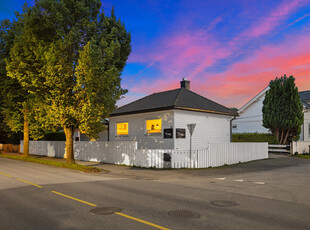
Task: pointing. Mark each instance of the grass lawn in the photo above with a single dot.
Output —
(46, 161)
(307, 156)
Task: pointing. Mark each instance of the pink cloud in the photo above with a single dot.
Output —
(184, 54)
(190, 53)
(275, 17)
(268, 23)
(246, 78)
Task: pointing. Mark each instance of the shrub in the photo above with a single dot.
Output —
(254, 137)
(54, 136)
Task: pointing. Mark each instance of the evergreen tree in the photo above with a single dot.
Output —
(282, 109)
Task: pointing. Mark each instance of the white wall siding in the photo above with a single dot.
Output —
(209, 128)
(305, 135)
(137, 129)
(251, 119)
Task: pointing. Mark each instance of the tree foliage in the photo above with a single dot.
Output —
(23, 63)
(12, 94)
(82, 66)
(67, 59)
(282, 109)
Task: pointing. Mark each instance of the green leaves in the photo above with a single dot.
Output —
(282, 109)
(66, 60)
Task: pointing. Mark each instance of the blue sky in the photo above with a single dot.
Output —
(229, 50)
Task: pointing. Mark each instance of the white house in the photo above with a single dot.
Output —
(160, 120)
(251, 115)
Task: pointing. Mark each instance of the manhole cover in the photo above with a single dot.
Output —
(105, 210)
(183, 214)
(223, 203)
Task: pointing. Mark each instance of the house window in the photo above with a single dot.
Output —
(153, 126)
(234, 126)
(309, 129)
(122, 128)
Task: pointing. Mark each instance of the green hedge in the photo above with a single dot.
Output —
(254, 137)
(54, 136)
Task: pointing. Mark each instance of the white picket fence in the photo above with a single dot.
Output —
(218, 154)
(126, 153)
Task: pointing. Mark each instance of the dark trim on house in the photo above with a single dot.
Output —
(142, 111)
(204, 111)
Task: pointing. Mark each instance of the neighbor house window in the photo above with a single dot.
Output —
(153, 126)
(309, 129)
(122, 128)
(234, 126)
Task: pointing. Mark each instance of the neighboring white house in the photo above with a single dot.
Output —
(160, 120)
(250, 119)
(251, 115)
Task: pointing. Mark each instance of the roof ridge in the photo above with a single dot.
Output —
(177, 98)
(209, 100)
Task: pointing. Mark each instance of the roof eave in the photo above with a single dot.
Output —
(142, 111)
(206, 111)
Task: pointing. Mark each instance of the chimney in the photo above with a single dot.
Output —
(185, 84)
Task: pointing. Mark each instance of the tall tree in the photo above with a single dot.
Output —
(282, 109)
(12, 94)
(23, 67)
(82, 66)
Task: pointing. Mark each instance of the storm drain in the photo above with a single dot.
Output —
(105, 210)
(183, 214)
(223, 203)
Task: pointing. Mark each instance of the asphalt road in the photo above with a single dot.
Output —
(267, 194)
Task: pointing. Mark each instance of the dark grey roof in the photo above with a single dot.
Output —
(305, 98)
(173, 99)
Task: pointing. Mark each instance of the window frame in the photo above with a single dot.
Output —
(146, 131)
(116, 129)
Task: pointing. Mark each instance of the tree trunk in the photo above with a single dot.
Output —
(69, 144)
(26, 136)
(286, 136)
(277, 135)
(282, 135)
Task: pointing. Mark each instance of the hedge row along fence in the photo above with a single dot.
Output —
(254, 137)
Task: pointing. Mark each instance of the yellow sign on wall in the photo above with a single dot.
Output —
(122, 128)
(153, 126)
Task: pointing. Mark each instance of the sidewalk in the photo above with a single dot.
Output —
(274, 161)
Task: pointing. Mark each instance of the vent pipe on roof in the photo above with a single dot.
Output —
(185, 84)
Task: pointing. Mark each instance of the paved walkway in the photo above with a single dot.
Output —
(274, 161)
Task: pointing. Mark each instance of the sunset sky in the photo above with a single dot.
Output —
(229, 50)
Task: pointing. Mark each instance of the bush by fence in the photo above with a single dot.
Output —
(254, 137)
(54, 136)
(10, 148)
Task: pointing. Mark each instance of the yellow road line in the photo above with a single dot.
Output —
(73, 198)
(5, 174)
(141, 221)
(39, 186)
(118, 213)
